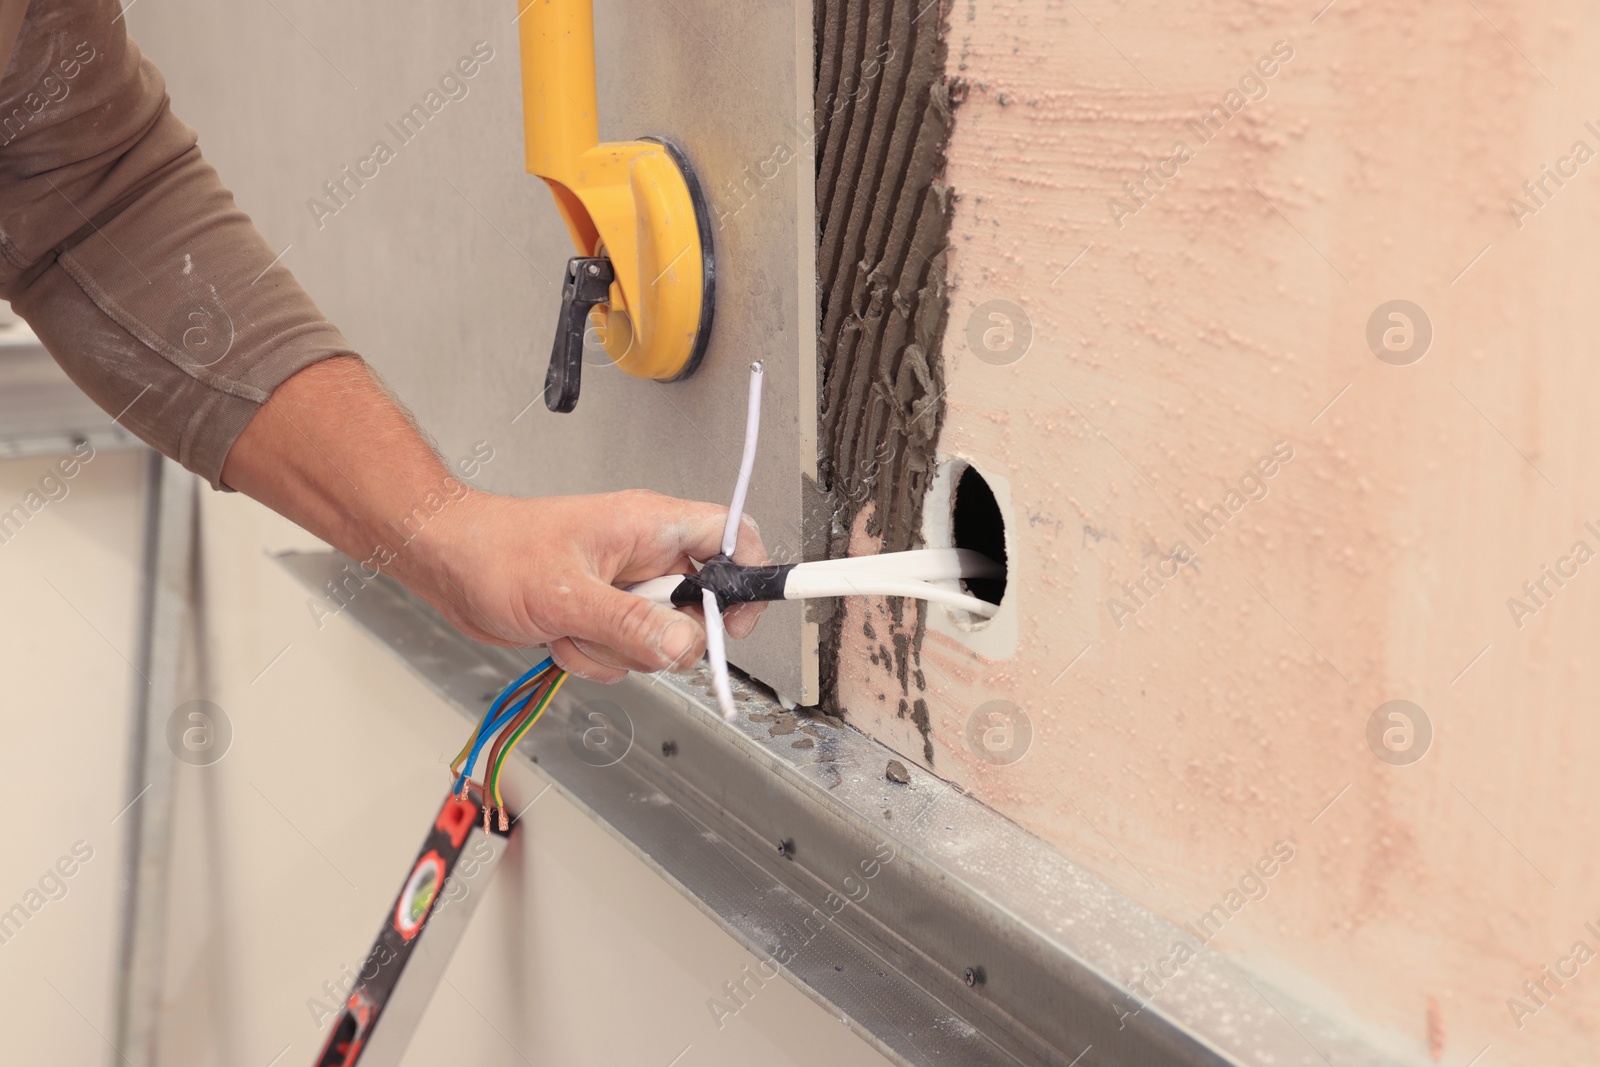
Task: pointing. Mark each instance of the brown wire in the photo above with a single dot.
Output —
(512, 699)
(541, 683)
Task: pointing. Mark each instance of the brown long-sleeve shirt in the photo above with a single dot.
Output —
(123, 250)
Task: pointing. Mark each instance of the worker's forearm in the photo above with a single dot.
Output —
(331, 451)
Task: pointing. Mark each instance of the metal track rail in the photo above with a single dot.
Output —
(931, 925)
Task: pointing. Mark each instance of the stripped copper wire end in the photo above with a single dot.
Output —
(505, 821)
(486, 818)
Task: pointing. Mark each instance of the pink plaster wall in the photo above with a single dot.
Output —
(1177, 737)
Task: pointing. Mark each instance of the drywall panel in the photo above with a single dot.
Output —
(1247, 508)
(69, 579)
(443, 266)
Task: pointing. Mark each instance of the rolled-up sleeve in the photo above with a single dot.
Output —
(125, 252)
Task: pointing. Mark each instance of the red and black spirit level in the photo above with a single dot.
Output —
(419, 935)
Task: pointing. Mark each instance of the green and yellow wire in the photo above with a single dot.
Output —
(500, 712)
(556, 678)
(512, 713)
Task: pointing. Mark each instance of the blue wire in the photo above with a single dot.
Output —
(472, 757)
(493, 722)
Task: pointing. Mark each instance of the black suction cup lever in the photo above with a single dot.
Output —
(588, 283)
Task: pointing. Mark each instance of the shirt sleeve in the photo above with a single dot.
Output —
(123, 250)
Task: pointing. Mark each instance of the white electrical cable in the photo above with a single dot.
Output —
(716, 642)
(804, 584)
(741, 488)
(908, 574)
(657, 590)
(926, 564)
(717, 653)
(865, 574)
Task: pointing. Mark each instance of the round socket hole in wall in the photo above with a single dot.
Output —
(976, 523)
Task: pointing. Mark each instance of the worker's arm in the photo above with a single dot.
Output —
(331, 451)
(126, 254)
(124, 251)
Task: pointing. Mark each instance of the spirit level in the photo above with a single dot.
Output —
(419, 935)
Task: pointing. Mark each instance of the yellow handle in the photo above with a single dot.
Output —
(558, 105)
(627, 200)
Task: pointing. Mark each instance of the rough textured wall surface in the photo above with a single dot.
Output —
(1250, 502)
(883, 118)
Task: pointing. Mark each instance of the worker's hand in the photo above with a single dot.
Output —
(334, 453)
(545, 571)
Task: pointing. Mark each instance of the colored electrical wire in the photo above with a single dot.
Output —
(499, 720)
(516, 737)
(505, 694)
(488, 717)
(517, 732)
(491, 717)
(465, 773)
(529, 708)
(518, 688)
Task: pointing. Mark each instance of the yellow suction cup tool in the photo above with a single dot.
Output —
(643, 274)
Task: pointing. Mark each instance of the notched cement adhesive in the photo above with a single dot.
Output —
(883, 107)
